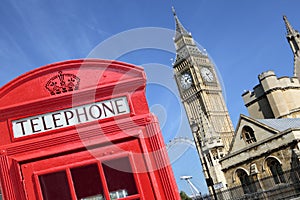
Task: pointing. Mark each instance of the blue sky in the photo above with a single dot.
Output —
(244, 39)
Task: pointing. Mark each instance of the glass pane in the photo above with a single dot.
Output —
(87, 183)
(55, 186)
(119, 177)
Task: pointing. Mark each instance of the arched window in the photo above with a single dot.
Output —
(248, 135)
(246, 182)
(276, 170)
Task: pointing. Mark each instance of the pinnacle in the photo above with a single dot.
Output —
(173, 10)
(180, 30)
(290, 30)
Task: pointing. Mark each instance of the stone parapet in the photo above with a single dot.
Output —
(273, 97)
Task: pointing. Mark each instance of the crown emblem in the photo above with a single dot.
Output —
(62, 83)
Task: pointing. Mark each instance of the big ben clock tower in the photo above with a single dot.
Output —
(201, 95)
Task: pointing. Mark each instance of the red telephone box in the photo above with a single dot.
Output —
(82, 129)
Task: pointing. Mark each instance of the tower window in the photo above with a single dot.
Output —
(209, 159)
(248, 135)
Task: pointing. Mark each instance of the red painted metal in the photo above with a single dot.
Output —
(51, 130)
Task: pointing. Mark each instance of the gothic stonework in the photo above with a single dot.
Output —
(274, 97)
(263, 155)
(293, 37)
(262, 148)
(201, 94)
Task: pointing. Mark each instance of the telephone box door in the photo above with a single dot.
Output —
(87, 175)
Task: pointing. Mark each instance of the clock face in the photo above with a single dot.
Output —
(207, 75)
(185, 81)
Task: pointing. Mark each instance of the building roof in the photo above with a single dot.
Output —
(281, 124)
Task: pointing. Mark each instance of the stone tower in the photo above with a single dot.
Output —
(277, 97)
(293, 37)
(201, 95)
(273, 97)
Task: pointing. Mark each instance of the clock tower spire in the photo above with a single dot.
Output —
(293, 37)
(201, 94)
(180, 30)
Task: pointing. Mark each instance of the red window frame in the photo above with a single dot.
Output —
(67, 168)
(131, 148)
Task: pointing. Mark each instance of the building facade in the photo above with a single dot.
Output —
(260, 159)
(263, 160)
(264, 157)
